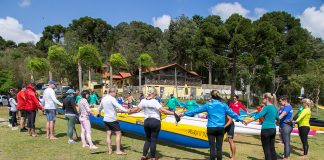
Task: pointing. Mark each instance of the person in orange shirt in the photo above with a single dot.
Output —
(258, 110)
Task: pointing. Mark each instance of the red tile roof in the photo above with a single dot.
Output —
(152, 69)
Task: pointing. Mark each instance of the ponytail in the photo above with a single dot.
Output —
(272, 98)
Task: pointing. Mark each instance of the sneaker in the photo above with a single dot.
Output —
(9, 125)
(93, 147)
(71, 142)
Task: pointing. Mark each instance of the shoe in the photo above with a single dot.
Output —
(23, 130)
(93, 147)
(9, 125)
(85, 146)
(71, 142)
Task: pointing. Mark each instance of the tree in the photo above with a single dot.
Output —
(6, 80)
(57, 58)
(37, 65)
(116, 60)
(143, 61)
(88, 56)
(51, 35)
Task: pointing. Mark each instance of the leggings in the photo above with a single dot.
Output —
(303, 134)
(13, 118)
(268, 143)
(152, 128)
(86, 132)
(70, 124)
(285, 132)
(218, 134)
(31, 116)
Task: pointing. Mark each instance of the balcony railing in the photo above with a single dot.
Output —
(172, 82)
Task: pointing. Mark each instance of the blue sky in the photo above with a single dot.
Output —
(31, 16)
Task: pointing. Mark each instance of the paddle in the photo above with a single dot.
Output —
(177, 118)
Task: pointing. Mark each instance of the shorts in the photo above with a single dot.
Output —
(230, 130)
(112, 126)
(23, 113)
(50, 114)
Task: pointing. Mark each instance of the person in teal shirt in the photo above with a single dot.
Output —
(93, 99)
(172, 103)
(77, 96)
(191, 104)
(268, 129)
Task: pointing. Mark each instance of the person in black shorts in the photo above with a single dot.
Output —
(229, 129)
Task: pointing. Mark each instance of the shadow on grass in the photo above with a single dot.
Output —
(295, 150)
(247, 143)
(60, 135)
(253, 158)
(40, 131)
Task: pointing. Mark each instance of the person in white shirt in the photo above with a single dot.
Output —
(152, 121)
(50, 103)
(13, 110)
(110, 105)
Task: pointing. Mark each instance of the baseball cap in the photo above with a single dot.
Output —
(70, 91)
(52, 82)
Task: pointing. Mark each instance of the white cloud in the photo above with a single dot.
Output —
(225, 10)
(11, 29)
(259, 12)
(162, 22)
(24, 3)
(313, 20)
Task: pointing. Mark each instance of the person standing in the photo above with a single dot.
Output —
(84, 113)
(285, 115)
(110, 105)
(93, 99)
(152, 121)
(32, 104)
(237, 105)
(304, 127)
(191, 104)
(217, 111)
(172, 103)
(130, 100)
(21, 99)
(70, 114)
(77, 96)
(268, 129)
(13, 110)
(50, 102)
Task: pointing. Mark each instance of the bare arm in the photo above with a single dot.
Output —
(162, 110)
(230, 120)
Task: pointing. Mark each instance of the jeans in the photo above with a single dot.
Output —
(152, 128)
(303, 134)
(285, 132)
(268, 143)
(218, 134)
(70, 125)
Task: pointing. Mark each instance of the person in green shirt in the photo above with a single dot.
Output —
(172, 103)
(268, 129)
(191, 104)
(93, 99)
(77, 96)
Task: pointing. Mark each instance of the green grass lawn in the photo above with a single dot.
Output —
(15, 145)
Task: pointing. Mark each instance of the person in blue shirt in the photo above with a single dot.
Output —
(268, 129)
(285, 115)
(217, 111)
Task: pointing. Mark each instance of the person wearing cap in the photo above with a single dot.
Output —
(70, 113)
(50, 103)
(152, 121)
(21, 102)
(110, 105)
(172, 103)
(217, 111)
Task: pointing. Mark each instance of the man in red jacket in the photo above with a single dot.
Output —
(31, 106)
(21, 107)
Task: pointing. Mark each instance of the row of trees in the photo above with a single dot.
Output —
(271, 54)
